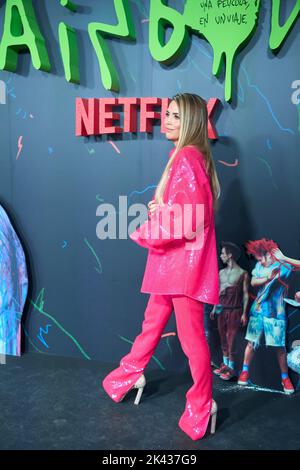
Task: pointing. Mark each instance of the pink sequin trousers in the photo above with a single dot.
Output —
(190, 328)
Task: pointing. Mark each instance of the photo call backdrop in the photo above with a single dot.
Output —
(58, 60)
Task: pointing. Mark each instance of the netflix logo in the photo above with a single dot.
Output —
(95, 116)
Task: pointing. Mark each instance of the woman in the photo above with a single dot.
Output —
(180, 274)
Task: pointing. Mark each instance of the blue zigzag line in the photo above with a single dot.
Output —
(260, 93)
(30, 341)
(269, 144)
(256, 88)
(40, 335)
(137, 192)
(141, 192)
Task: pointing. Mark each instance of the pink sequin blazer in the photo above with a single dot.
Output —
(181, 261)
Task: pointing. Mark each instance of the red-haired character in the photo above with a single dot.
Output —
(267, 313)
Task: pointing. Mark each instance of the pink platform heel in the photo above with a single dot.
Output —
(114, 386)
(139, 384)
(194, 427)
(213, 417)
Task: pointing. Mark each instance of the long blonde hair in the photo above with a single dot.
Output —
(193, 131)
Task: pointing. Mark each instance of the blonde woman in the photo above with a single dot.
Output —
(182, 268)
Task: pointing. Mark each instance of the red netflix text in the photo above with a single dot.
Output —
(96, 116)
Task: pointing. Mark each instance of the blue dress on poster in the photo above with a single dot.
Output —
(13, 287)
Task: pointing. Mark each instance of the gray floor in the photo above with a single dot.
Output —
(57, 403)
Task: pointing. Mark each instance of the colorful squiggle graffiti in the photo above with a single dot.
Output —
(39, 306)
(13, 287)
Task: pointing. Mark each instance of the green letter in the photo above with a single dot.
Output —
(280, 33)
(69, 52)
(161, 16)
(98, 31)
(21, 31)
(68, 4)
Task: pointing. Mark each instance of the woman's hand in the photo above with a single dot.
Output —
(152, 206)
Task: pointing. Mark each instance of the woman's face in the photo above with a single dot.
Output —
(172, 122)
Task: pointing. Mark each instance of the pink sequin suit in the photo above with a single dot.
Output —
(181, 279)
